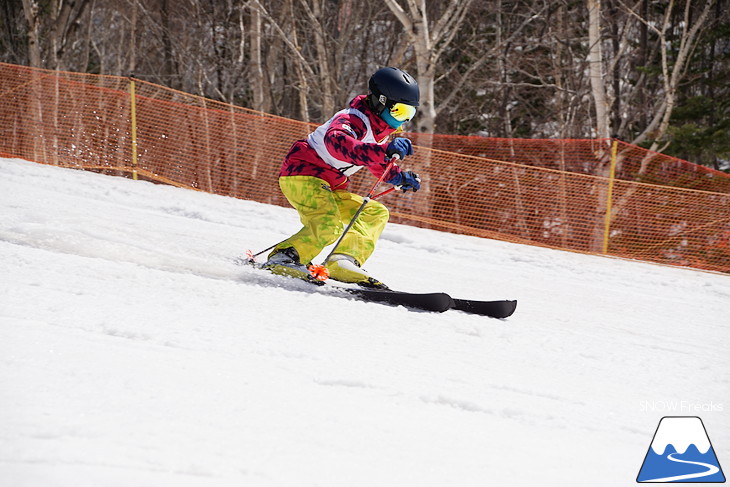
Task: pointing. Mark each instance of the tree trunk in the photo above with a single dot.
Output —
(132, 62)
(261, 101)
(326, 80)
(595, 63)
(32, 18)
(170, 69)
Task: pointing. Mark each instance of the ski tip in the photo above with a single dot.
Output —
(508, 308)
(493, 309)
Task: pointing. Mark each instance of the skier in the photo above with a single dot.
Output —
(315, 176)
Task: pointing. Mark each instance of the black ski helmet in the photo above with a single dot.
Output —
(389, 86)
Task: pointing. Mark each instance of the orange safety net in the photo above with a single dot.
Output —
(553, 193)
(582, 156)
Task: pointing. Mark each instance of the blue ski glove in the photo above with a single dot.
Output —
(400, 146)
(406, 180)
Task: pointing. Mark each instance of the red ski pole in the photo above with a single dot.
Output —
(387, 191)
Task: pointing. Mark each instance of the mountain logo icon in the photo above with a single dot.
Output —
(681, 452)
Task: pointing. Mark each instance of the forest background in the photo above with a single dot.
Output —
(650, 72)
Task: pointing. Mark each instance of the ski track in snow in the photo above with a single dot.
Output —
(135, 351)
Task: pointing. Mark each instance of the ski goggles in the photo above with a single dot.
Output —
(402, 112)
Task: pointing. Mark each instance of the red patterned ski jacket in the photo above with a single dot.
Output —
(352, 139)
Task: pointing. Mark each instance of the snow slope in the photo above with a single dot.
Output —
(135, 352)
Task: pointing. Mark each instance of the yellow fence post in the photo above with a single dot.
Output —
(609, 197)
(133, 110)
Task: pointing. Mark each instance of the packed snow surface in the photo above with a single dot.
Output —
(136, 351)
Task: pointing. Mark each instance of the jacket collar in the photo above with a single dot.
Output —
(380, 127)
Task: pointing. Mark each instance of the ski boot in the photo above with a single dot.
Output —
(285, 262)
(345, 268)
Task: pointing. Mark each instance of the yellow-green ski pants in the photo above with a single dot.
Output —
(325, 213)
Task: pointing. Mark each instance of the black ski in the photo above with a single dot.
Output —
(437, 302)
(493, 309)
(426, 302)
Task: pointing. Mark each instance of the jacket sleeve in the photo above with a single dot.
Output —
(344, 141)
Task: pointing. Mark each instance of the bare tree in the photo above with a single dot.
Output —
(429, 41)
(689, 30)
